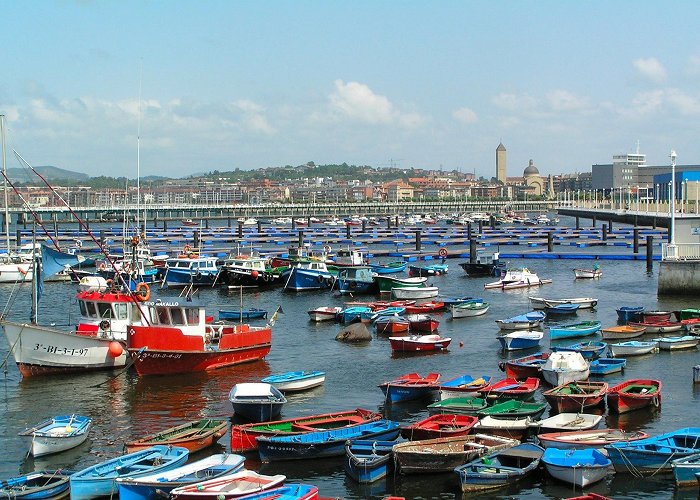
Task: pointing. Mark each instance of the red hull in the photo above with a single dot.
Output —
(439, 426)
(429, 326)
(511, 389)
(28, 370)
(519, 370)
(425, 308)
(408, 345)
(152, 362)
(391, 327)
(621, 402)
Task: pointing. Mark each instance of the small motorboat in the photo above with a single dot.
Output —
(463, 386)
(629, 313)
(567, 422)
(606, 366)
(525, 321)
(410, 386)
(589, 350)
(37, 485)
(511, 389)
(100, 479)
(634, 394)
(194, 436)
(527, 366)
(189, 222)
(561, 309)
(424, 292)
(564, 438)
(520, 339)
(578, 467)
(246, 314)
(258, 402)
(502, 468)
(580, 329)
(517, 278)
(414, 343)
(623, 332)
(677, 343)
(57, 434)
(296, 381)
(244, 482)
(439, 425)
(422, 323)
(582, 302)
(575, 396)
(632, 348)
(391, 325)
(580, 273)
(564, 367)
(324, 313)
(654, 455)
(368, 461)
(469, 309)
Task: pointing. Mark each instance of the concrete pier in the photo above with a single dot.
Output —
(679, 278)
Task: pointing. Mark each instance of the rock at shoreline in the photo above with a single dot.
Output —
(356, 332)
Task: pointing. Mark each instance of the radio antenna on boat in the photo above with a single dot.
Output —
(4, 173)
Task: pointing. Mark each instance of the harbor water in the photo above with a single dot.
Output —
(126, 407)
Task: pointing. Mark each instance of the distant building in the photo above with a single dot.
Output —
(533, 180)
(501, 173)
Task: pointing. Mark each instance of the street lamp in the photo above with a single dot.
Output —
(671, 248)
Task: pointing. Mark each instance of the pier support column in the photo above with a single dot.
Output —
(635, 240)
(347, 231)
(165, 225)
(550, 241)
(481, 226)
(102, 237)
(594, 220)
(18, 239)
(605, 232)
(206, 223)
(55, 225)
(294, 223)
(396, 221)
(259, 227)
(650, 253)
(653, 222)
(418, 240)
(388, 222)
(196, 239)
(228, 221)
(492, 220)
(300, 241)
(472, 251)
(610, 226)
(578, 223)
(635, 221)
(469, 230)
(364, 226)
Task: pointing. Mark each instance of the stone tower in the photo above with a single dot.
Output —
(501, 163)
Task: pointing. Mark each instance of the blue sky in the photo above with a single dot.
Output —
(227, 84)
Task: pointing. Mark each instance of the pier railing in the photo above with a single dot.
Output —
(680, 251)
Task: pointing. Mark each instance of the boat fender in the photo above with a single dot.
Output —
(198, 275)
(655, 401)
(143, 292)
(265, 277)
(187, 249)
(104, 325)
(443, 252)
(327, 249)
(320, 278)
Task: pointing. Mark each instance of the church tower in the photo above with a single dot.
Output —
(501, 163)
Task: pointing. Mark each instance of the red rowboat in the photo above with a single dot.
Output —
(392, 324)
(438, 426)
(589, 496)
(510, 388)
(525, 367)
(634, 394)
(422, 323)
(426, 307)
(419, 343)
(660, 326)
(409, 386)
(173, 345)
(654, 316)
(575, 396)
(243, 436)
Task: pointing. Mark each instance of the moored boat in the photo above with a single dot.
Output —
(629, 313)
(463, 386)
(525, 367)
(564, 367)
(427, 270)
(193, 436)
(324, 313)
(438, 426)
(622, 332)
(588, 438)
(686, 469)
(245, 314)
(238, 484)
(577, 467)
(386, 283)
(501, 468)
(580, 273)
(518, 278)
(606, 366)
(516, 428)
(580, 329)
(469, 309)
(57, 434)
(677, 343)
(391, 325)
(634, 394)
(425, 307)
(414, 343)
(256, 401)
(561, 309)
(458, 406)
(485, 264)
(368, 461)
(38, 485)
(654, 455)
(410, 386)
(520, 339)
(422, 323)
(567, 422)
(575, 396)
(513, 408)
(632, 348)
(423, 292)
(660, 326)
(296, 381)
(522, 322)
(511, 389)
(582, 302)
(389, 268)
(589, 350)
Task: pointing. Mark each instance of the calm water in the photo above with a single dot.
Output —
(127, 407)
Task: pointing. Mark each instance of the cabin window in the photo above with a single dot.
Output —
(105, 310)
(92, 311)
(176, 316)
(135, 314)
(192, 315)
(83, 309)
(163, 317)
(121, 311)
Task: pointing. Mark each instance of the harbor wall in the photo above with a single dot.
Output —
(679, 278)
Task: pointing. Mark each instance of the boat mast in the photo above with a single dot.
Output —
(4, 183)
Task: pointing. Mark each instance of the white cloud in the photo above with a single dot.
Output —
(693, 65)
(358, 102)
(563, 100)
(465, 115)
(514, 102)
(682, 102)
(650, 68)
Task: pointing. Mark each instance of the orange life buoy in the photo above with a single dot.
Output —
(443, 252)
(143, 292)
(187, 249)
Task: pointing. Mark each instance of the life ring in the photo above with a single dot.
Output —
(320, 278)
(443, 252)
(109, 283)
(102, 266)
(191, 255)
(143, 292)
(187, 249)
(104, 325)
(327, 249)
(134, 240)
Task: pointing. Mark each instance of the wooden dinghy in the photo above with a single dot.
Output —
(444, 454)
(194, 436)
(57, 434)
(592, 438)
(440, 425)
(245, 482)
(575, 396)
(634, 394)
(36, 485)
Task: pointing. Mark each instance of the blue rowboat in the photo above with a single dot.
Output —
(307, 275)
(522, 321)
(589, 350)
(390, 268)
(296, 381)
(427, 270)
(654, 454)
(577, 467)
(57, 434)
(582, 329)
(36, 485)
(328, 443)
(629, 313)
(368, 461)
(686, 469)
(410, 386)
(500, 468)
(560, 309)
(382, 313)
(453, 301)
(247, 314)
(463, 386)
(523, 339)
(605, 366)
(257, 402)
(155, 486)
(100, 479)
(352, 314)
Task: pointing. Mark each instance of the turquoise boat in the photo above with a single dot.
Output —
(581, 329)
(101, 479)
(655, 454)
(501, 468)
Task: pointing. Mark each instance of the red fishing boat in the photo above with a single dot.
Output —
(179, 340)
(243, 436)
(525, 367)
(510, 388)
(426, 307)
(438, 426)
(391, 324)
(422, 323)
(419, 343)
(575, 396)
(634, 394)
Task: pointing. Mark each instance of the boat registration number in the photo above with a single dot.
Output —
(52, 349)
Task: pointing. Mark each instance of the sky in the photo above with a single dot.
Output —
(220, 85)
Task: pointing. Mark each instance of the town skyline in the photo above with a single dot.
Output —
(224, 85)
